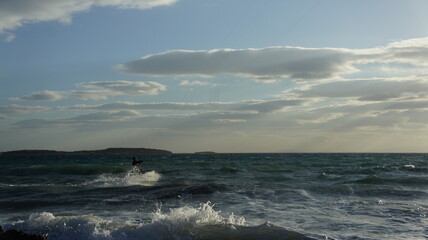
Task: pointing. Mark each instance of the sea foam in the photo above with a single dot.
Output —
(184, 223)
(178, 223)
(132, 177)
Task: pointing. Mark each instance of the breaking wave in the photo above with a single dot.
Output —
(184, 223)
(131, 178)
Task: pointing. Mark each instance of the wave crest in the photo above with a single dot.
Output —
(184, 223)
(203, 215)
(131, 178)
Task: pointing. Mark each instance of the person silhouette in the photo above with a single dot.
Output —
(136, 164)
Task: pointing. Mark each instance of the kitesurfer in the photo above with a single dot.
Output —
(136, 164)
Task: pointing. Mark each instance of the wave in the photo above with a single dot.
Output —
(77, 169)
(402, 180)
(203, 189)
(229, 170)
(184, 223)
(131, 178)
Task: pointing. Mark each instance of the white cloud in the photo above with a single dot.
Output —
(413, 51)
(272, 63)
(107, 116)
(264, 64)
(18, 109)
(404, 105)
(408, 119)
(10, 37)
(107, 89)
(16, 13)
(229, 120)
(322, 118)
(127, 88)
(349, 116)
(203, 115)
(365, 90)
(92, 118)
(41, 96)
(272, 105)
(372, 109)
(3, 117)
(88, 94)
(194, 83)
(260, 106)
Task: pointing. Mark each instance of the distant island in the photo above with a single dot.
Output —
(108, 151)
(205, 152)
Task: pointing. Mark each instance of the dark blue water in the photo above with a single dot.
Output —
(217, 196)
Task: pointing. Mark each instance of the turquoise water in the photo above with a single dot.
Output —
(218, 196)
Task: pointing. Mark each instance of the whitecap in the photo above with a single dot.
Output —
(131, 178)
(181, 223)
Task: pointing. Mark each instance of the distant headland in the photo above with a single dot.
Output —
(108, 151)
(205, 152)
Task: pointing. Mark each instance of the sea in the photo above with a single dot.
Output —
(217, 196)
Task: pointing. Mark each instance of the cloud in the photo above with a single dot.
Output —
(412, 51)
(3, 117)
(190, 115)
(107, 116)
(127, 88)
(42, 96)
(272, 105)
(264, 64)
(351, 115)
(322, 118)
(229, 120)
(372, 109)
(10, 37)
(336, 121)
(168, 106)
(60, 95)
(194, 83)
(106, 89)
(16, 13)
(398, 114)
(409, 119)
(20, 109)
(259, 106)
(93, 118)
(364, 90)
(405, 105)
(272, 63)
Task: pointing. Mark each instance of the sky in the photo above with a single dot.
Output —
(214, 75)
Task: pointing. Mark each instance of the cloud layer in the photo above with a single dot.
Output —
(104, 90)
(260, 106)
(272, 63)
(20, 109)
(263, 64)
(188, 115)
(16, 13)
(355, 109)
(365, 90)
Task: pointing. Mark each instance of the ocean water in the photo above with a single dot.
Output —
(217, 196)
